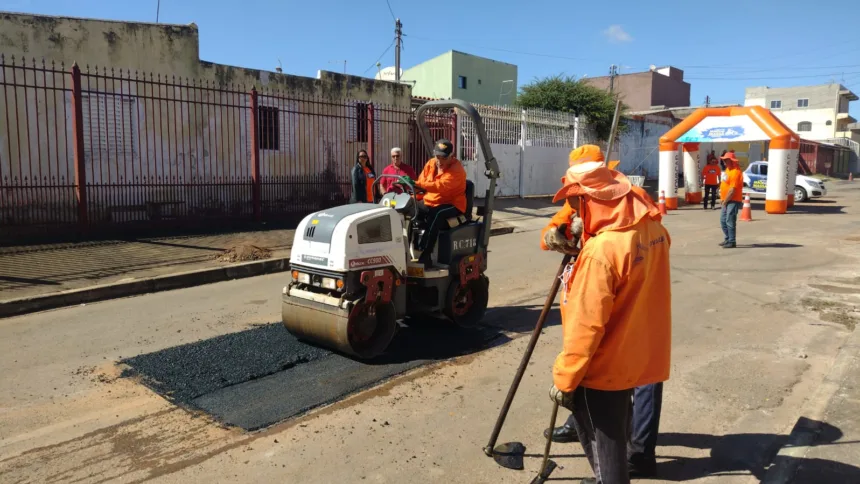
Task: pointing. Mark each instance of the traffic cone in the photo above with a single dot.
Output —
(746, 213)
(662, 203)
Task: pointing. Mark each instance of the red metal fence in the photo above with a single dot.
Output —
(102, 149)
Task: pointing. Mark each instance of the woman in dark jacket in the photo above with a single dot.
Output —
(363, 177)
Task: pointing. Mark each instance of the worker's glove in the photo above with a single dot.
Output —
(562, 398)
(555, 238)
(406, 180)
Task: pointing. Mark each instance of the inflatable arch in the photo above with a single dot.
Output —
(721, 125)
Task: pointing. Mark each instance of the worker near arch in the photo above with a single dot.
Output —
(443, 180)
(616, 318)
(711, 177)
(731, 199)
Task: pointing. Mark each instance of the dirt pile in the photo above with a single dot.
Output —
(243, 253)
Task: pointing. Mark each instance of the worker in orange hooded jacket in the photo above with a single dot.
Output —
(610, 347)
(443, 181)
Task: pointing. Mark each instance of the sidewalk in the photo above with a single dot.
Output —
(30, 272)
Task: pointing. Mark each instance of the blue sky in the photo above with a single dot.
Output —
(722, 46)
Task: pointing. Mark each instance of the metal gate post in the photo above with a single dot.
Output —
(78, 146)
(256, 184)
(371, 135)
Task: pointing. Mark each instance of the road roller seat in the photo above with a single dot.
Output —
(470, 206)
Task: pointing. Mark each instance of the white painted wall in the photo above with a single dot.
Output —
(508, 158)
(543, 168)
(818, 118)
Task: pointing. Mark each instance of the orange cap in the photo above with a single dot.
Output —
(585, 153)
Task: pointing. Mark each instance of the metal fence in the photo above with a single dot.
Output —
(98, 148)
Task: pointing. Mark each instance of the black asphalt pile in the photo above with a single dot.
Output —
(261, 376)
(183, 373)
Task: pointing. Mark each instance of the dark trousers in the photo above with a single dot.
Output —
(729, 221)
(433, 220)
(710, 192)
(601, 422)
(645, 421)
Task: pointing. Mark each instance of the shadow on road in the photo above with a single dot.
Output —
(750, 453)
(768, 246)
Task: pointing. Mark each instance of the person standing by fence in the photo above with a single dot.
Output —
(363, 177)
(396, 168)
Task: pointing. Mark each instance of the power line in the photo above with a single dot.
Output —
(390, 10)
(380, 57)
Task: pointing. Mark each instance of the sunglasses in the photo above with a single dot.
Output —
(395, 156)
(362, 157)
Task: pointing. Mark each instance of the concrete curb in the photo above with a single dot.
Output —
(181, 280)
(813, 414)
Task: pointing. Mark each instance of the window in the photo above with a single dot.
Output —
(358, 122)
(374, 230)
(804, 126)
(803, 103)
(461, 82)
(776, 104)
(828, 123)
(762, 170)
(268, 128)
(109, 126)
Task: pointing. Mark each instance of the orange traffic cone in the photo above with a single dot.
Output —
(662, 203)
(746, 213)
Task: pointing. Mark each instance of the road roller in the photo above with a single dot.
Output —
(354, 275)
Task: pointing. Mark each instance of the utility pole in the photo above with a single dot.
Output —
(157, 10)
(707, 101)
(613, 71)
(398, 34)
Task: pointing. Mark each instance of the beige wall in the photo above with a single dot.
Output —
(170, 133)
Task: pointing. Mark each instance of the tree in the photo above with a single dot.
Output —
(566, 94)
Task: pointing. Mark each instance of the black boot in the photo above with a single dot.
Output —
(640, 465)
(562, 435)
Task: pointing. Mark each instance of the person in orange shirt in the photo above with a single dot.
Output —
(443, 181)
(616, 317)
(363, 177)
(711, 178)
(731, 199)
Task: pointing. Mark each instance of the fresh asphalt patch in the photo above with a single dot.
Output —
(264, 375)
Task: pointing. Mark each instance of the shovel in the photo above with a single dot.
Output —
(548, 465)
(510, 455)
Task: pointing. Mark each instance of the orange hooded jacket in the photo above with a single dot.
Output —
(448, 187)
(616, 305)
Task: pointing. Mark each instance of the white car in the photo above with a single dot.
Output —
(805, 187)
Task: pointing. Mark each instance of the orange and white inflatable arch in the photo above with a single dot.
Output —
(722, 125)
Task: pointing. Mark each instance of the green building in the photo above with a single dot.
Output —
(458, 75)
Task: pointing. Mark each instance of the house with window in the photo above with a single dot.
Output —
(817, 113)
(474, 79)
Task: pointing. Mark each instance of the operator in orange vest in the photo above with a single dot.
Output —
(609, 347)
(443, 181)
(711, 179)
